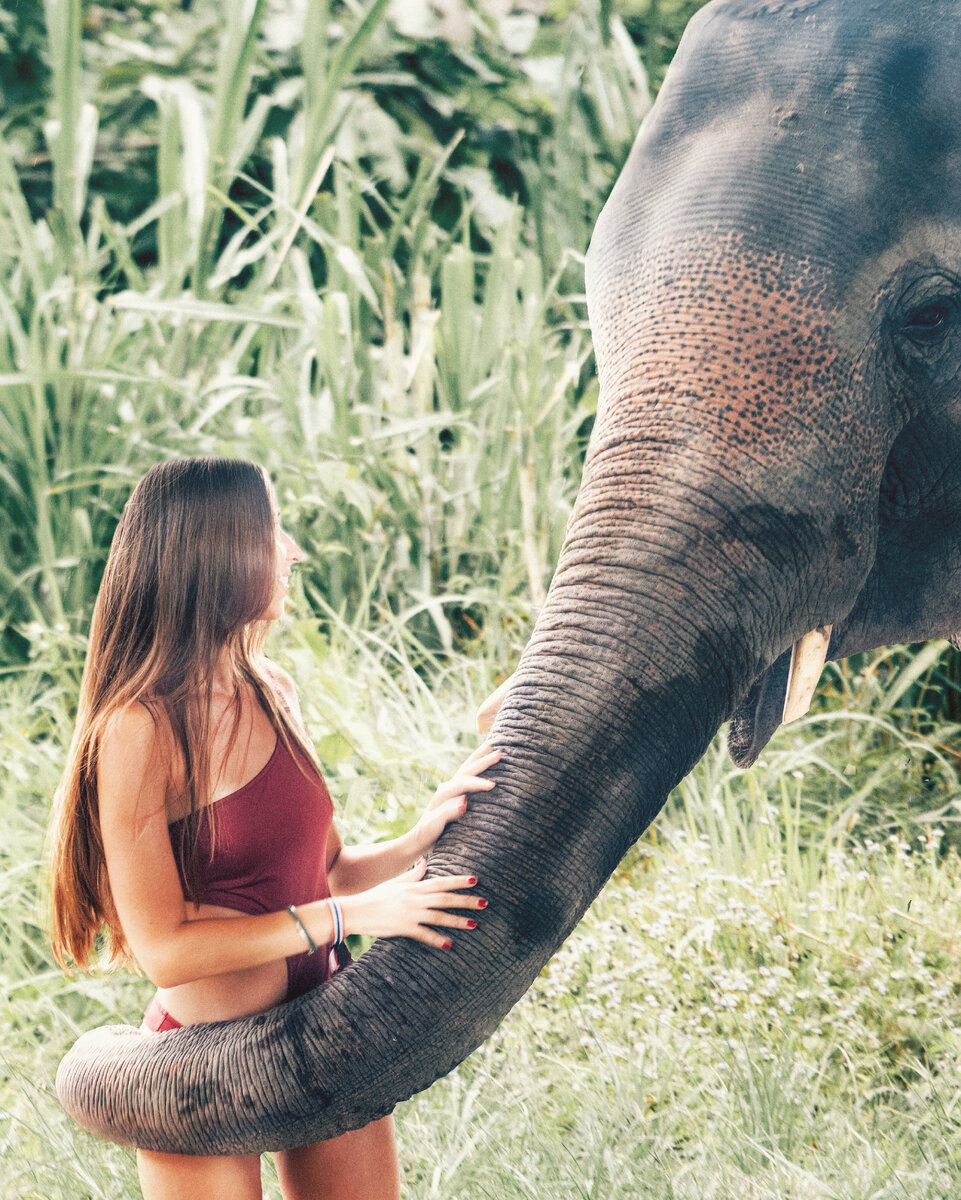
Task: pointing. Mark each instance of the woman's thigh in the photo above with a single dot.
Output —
(189, 1177)
(360, 1165)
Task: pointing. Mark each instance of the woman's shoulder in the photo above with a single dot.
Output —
(134, 764)
(133, 722)
(285, 691)
(136, 733)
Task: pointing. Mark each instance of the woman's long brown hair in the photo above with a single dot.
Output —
(192, 566)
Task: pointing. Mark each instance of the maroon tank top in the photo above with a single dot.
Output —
(269, 849)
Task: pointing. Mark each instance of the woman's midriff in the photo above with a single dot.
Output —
(224, 997)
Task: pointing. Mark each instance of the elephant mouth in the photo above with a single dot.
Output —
(780, 694)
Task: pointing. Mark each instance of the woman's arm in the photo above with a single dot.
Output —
(352, 869)
(133, 768)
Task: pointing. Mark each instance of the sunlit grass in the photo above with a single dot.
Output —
(771, 1016)
(418, 382)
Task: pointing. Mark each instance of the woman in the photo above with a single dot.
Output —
(192, 820)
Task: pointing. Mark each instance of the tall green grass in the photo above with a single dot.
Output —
(395, 338)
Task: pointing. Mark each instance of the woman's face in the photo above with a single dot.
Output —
(287, 553)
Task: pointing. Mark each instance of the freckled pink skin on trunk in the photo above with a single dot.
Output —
(725, 392)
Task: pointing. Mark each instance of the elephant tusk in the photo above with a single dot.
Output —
(807, 663)
(488, 710)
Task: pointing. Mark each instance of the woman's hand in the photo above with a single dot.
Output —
(450, 800)
(410, 905)
(355, 869)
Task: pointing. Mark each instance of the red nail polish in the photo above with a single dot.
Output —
(471, 924)
(448, 944)
(471, 881)
(481, 903)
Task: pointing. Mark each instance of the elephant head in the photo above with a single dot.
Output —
(775, 293)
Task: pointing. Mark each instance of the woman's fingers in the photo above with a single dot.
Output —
(477, 762)
(449, 920)
(480, 762)
(440, 906)
(445, 883)
(466, 779)
(409, 904)
(460, 784)
(484, 750)
(427, 924)
(431, 938)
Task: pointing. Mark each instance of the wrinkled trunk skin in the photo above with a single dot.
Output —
(591, 746)
(728, 506)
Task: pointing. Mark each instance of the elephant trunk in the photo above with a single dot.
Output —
(585, 765)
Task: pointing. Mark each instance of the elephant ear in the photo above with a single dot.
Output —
(757, 716)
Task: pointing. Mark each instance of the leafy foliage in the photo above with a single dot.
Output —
(339, 239)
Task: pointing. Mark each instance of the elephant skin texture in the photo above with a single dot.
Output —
(775, 293)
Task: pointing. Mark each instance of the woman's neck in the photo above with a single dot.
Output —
(224, 676)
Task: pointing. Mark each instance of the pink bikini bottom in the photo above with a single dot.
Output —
(157, 1020)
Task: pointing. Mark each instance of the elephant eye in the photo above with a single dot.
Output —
(929, 322)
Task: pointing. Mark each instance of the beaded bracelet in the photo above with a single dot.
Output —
(311, 944)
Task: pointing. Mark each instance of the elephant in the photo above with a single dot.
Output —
(773, 479)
